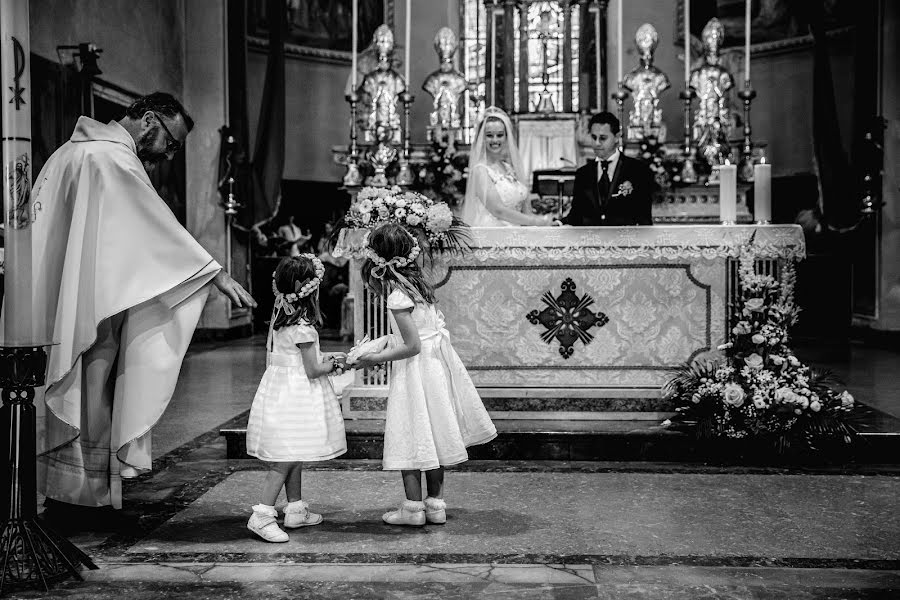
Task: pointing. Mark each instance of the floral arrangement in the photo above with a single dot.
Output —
(443, 176)
(760, 388)
(666, 169)
(432, 220)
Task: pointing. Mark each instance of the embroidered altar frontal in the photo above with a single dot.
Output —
(582, 319)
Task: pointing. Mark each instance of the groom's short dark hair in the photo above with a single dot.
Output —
(605, 118)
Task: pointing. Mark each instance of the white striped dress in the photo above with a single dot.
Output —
(293, 418)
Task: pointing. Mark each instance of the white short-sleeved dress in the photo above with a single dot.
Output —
(294, 418)
(434, 411)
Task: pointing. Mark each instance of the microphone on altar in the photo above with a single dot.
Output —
(566, 160)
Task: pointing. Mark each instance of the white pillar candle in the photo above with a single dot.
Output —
(747, 41)
(762, 192)
(687, 43)
(15, 103)
(621, 39)
(408, 26)
(355, 43)
(727, 193)
(493, 57)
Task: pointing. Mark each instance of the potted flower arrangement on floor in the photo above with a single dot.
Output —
(759, 396)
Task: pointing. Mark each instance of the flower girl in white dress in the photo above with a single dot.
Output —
(295, 416)
(433, 409)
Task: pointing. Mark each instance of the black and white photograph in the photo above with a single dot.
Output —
(450, 299)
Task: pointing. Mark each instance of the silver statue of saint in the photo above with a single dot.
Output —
(380, 93)
(446, 85)
(645, 83)
(713, 121)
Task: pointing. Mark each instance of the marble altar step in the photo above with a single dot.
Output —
(629, 404)
(605, 440)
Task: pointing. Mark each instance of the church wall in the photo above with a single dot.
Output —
(889, 286)
(142, 42)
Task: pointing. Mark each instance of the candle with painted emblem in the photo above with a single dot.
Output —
(18, 213)
(762, 192)
(727, 193)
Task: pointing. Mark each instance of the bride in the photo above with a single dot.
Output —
(496, 195)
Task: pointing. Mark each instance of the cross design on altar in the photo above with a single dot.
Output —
(567, 318)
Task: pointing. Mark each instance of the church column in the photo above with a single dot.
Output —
(509, 57)
(523, 58)
(206, 99)
(567, 56)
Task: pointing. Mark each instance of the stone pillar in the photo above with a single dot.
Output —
(206, 100)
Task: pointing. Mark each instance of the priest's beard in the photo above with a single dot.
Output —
(149, 157)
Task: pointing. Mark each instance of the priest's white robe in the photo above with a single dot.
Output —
(120, 286)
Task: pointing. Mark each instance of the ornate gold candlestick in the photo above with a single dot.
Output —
(405, 175)
(352, 177)
(688, 173)
(745, 170)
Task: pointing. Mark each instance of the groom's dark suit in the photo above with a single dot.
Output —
(618, 207)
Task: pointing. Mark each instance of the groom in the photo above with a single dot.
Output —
(614, 189)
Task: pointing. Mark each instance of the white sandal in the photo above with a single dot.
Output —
(296, 514)
(262, 523)
(410, 512)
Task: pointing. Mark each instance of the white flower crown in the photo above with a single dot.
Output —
(286, 302)
(382, 265)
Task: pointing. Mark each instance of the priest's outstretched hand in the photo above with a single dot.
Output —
(233, 290)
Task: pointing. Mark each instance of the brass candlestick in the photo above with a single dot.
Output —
(352, 177)
(745, 170)
(405, 175)
(620, 96)
(688, 173)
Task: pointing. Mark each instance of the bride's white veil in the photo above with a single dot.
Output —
(474, 211)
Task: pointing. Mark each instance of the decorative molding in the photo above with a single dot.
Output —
(303, 52)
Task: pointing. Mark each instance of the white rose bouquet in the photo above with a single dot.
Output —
(760, 388)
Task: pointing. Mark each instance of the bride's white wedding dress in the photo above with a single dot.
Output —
(513, 194)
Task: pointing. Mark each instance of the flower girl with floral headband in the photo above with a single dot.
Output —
(433, 409)
(295, 416)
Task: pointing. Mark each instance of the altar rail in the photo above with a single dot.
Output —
(666, 295)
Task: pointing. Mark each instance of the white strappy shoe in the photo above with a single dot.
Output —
(409, 513)
(435, 510)
(296, 514)
(262, 523)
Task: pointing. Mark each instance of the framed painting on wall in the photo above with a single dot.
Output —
(775, 24)
(321, 28)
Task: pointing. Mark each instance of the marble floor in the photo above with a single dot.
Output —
(515, 529)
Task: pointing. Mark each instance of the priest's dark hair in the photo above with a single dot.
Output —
(605, 118)
(389, 241)
(162, 103)
(290, 275)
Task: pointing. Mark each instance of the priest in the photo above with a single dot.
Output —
(119, 286)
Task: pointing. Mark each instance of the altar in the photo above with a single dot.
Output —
(578, 323)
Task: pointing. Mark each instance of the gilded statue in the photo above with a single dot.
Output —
(379, 93)
(446, 85)
(645, 83)
(713, 121)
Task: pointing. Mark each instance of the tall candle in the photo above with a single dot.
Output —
(762, 192)
(621, 39)
(727, 193)
(355, 43)
(493, 57)
(408, 26)
(687, 43)
(20, 325)
(597, 36)
(747, 41)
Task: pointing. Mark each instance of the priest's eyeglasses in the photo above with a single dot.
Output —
(172, 144)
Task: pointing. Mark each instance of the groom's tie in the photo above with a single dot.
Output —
(603, 184)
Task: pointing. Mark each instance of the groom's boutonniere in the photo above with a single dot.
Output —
(625, 189)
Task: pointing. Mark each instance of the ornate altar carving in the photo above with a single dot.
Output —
(645, 83)
(713, 120)
(380, 94)
(446, 86)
